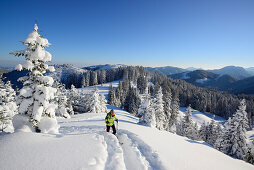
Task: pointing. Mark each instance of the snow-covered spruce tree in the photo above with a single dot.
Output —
(203, 132)
(62, 110)
(212, 132)
(35, 97)
(223, 142)
(188, 124)
(103, 102)
(149, 115)
(119, 94)
(159, 110)
(73, 99)
(95, 103)
(249, 157)
(8, 107)
(143, 108)
(167, 97)
(175, 112)
(240, 125)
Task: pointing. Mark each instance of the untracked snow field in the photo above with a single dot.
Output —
(83, 144)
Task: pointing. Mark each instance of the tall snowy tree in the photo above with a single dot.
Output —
(8, 107)
(175, 112)
(159, 110)
(249, 157)
(96, 102)
(62, 110)
(167, 97)
(35, 97)
(103, 102)
(240, 126)
(212, 132)
(203, 132)
(188, 128)
(143, 108)
(223, 142)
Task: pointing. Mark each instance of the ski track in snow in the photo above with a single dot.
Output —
(138, 152)
(131, 154)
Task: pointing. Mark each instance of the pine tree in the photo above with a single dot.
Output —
(62, 110)
(188, 124)
(203, 134)
(240, 126)
(175, 112)
(103, 102)
(8, 107)
(249, 157)
(212, 132)
(223, 142)
(143, 108)
(35, 97)
(167, 97)
(159, 110)
(95, 103)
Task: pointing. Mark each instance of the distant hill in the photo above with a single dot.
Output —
(245, 86)
(61, 73)
(13, 77)
(168, 70)
(204, 78)
(4, 71)
(234, 71)
(103, 67)
(250, 70)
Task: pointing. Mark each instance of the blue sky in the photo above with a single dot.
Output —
(183, 33)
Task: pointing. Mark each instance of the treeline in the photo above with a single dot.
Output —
(91, 78)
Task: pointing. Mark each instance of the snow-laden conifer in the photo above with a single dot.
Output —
(223, 142)
(188, 124)
(159, 110)
(103, 102)
(167, 97)
(62, 110)
(143, 108)
(203, 132)
(239, 128)
(95, 104)
(36, 96)
(8, 107)
(212, 132)
(175, 112)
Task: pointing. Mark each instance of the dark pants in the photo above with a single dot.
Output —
(113, 127)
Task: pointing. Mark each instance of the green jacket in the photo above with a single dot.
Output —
(110, 119)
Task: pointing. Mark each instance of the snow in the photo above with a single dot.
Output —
(18, 67)
(201, 117)
(82, 143)
(185, 76)
(201, 81)
(48, 125)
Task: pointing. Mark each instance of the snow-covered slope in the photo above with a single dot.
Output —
(62, 71)
(84, 144)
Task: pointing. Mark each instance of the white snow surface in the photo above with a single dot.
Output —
(201, 117)
(202, 81)
(82, 143)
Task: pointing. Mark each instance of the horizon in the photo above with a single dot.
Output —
(207, 35)
(4, 64)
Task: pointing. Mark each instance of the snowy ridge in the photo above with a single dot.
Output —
(62, 71)
(104, 67)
